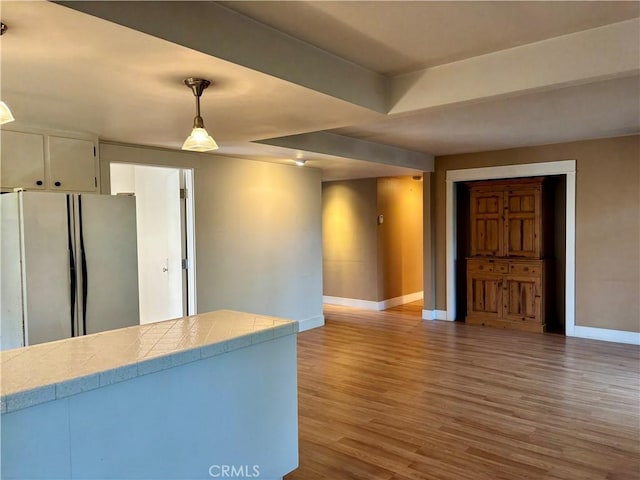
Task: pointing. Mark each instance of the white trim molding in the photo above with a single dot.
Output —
(350, 302)
(394, 302)
(604, 334)
(309, 323)
(370, 304)
(562, 167)
(434, 315)
(570, 257)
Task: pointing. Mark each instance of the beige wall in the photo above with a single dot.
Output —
(258, 231)
(607, 223)
(349, 239)
(361, 259)
(428, 240)
(399, 237)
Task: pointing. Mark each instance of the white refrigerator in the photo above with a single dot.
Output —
(69, 266)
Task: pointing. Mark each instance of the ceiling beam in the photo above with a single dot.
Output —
(608, 52)
(222, 33)
(352, 148)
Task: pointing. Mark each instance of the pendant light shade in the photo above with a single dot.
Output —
(199, 140)
(5, 114)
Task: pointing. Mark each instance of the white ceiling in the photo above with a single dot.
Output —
(64, 69)
(599, 109)
(393, 37)
(128, 86)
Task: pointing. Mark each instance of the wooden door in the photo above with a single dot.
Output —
(522, 223)
(487, 223)
(484, 295)
(522, 298)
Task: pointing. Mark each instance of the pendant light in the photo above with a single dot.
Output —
(5, 113)
(199, 140)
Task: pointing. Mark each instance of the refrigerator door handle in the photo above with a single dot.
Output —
(83, 259)
(72, 268)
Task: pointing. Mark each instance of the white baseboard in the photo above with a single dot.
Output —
(619, 336)
(434, 315)
(394, 302)
(309, 323)
(371, 305)
(350, 302)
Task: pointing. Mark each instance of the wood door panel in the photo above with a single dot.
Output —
(484, 294)
(522, 202)
(522, 237)
(488, 236)
(514, 235)
(528, 235)
(487, 223)
(522, 224)
(522, 297)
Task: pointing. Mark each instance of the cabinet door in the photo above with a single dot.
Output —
(487, 223)
(22, 160)
(522, 298)
(522, 223)
(484, 294)
(73, 164)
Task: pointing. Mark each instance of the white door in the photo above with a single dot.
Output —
(158, 207)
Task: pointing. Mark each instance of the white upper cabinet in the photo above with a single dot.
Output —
(72, 164)
(22, 160)
(48, 161)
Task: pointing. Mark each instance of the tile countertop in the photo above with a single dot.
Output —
(55, 370)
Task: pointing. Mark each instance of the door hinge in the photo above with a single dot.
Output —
(94, 150)
(183, 193)
(185, 264)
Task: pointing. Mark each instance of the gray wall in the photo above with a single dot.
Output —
(361, 259)
(350, 239)
(258, 231)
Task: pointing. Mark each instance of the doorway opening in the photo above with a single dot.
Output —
(555, 226)
(372, 244)
(564, 168)
(165, 234)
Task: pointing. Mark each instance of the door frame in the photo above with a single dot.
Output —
(188, 228)
(189, 239)
(561, 167)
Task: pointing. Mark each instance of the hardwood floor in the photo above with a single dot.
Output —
(386, 395)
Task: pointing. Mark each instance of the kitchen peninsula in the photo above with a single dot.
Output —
(184, 398)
